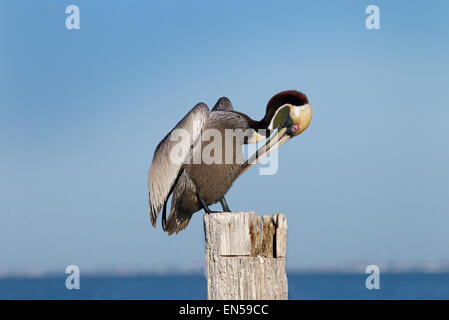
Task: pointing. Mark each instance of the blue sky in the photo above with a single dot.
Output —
(81, 112)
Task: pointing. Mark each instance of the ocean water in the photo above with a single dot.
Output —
(301, 286)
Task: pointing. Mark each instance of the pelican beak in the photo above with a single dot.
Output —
(296, 121)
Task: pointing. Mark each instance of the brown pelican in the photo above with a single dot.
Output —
(195, 183)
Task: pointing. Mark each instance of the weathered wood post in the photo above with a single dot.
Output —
(244, 260)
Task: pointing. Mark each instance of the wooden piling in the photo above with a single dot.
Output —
(244, 260)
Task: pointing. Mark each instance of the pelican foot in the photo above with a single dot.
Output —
(214, 212)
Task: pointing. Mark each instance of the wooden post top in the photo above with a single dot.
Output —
(242, 234)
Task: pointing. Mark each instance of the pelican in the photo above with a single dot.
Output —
(196, 183)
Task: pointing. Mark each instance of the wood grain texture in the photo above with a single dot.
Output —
(245, 260)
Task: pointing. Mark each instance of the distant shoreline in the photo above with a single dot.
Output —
(36, 274)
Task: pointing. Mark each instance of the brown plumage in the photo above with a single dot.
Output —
(194, 185)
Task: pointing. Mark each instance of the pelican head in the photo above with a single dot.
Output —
(288, 114)
(295, 119)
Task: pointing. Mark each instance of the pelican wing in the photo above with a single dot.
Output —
(223, 104)
(170, 155)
